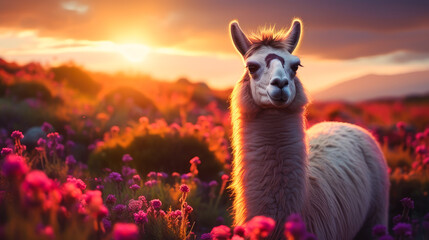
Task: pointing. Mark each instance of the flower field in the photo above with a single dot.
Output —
(83, 157)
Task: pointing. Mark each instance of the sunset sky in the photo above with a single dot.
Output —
(169, 39)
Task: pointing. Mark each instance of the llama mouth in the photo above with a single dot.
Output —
(278, 96)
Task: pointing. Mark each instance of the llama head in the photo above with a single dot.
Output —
(270, 66)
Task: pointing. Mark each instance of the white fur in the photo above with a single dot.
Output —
(333, 174)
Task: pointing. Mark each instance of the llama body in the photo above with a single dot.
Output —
(333, 174)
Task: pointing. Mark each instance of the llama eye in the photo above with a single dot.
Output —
(253, 67)
(295, 67)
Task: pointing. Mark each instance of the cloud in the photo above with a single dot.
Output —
(334, 29)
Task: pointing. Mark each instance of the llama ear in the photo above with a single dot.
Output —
(241, 42)
(293, 35)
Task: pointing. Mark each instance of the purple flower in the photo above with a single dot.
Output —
(14, 167)
(213, 183)
(107, 224)
(6, 151)
(70, 144)
(126, 158)
(135, 205)
(185, 176)
(294, 227)
(206, 236)
(17, 135)
(156, 204)
(221, 232)
(127, 171)
(379, 230)
(111, 200)
(134, 187)
(119, 209)
(401, 229)
(140, 217)
(116, 177)
(70, 160)
(125, 231)
(396, 219)
(386, 237)
(184, 188)
(407, 203)
(195, 160)
(425, 222)
(46, 127)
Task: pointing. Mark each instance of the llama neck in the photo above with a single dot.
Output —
(273, 157)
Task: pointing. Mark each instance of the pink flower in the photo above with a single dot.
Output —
(36, 187)
(71, 192)
(134, 187)
(175, 174)
(79, 183)
(136, 178)
(260, 227)
(400, 126)
(46, 127)
(6, 151)
(225, 177)
(14, 167)
(94, 204)
(125, 231)
(421, 149)
(221, 232)
(127, 158)
(156, 204)
(140, 217)
(195, 160)
(17, 135)
(152, 175)
(184, 188)
(114, 129)
(240, 231)
(135, 205)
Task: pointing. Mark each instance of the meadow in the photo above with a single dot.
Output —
(93, 156)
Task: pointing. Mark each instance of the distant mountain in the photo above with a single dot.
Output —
(376, 86)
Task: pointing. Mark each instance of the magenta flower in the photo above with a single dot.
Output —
(206, 236)
(407, 203)
(213, 183)
(162, 175)
(127, 171)
(421, 149)
(36, 187)
(126, 158)
(195, 160)
(184, 188)
(221, 232)
(46, 127)
(140, 217)
(400, 126)
(107, 224)
(225, 177)
(111, 200)
(379, 230)
(156, 204)
(135, 205)
(119, 209)
(125, 231)
(134, 187)
(17, 135)
(6, 151)
(152, 175)
(54, 136)
(116, 177)
(402, 229)
(260, 227)
(14, 167)
(79, 183)
(295, 227)
(70, 160)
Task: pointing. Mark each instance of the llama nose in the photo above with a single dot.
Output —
(279, 82)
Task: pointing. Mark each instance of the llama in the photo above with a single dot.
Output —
(333, 174)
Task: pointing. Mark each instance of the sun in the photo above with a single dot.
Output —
(133, 52)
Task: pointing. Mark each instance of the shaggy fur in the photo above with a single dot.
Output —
(333, 174)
